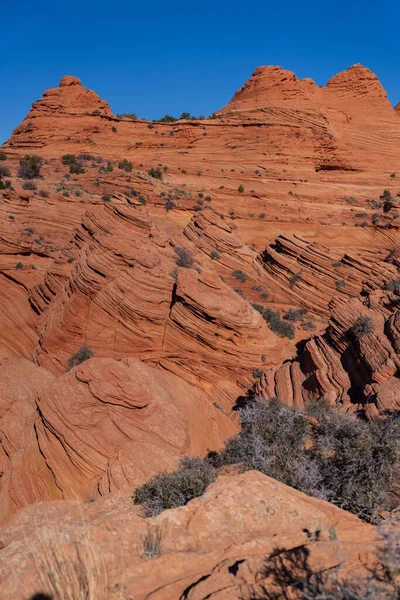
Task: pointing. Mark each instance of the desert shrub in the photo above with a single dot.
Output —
(241, 189)
(238, 274)
(386, 195)
(167, 119)
(29, 167)
(257, 373)
(3, 155)
(274, 321)
(152, 543)
(295, 315)
(29, 185)
(106, 197)
(340, 283)
(4, 171)
(19, 265)
(132, 116)
(392, 286)
(68, 159)
(362, 326)
(169, 205)
(348, 462)
(125, 165)
(309, 325)
(5, 184)
(240, 292)
(86, 156)
(44, 193)
(170, 490)
(183, 257)
(155, 172)
(84, 353)
(295, 278)
(114, 129)
(76, 169)
(215, 255)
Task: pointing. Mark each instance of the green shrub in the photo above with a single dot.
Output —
(76, 169)
(44, 193)
(215, 255)
(3, 155)
(125, 165)
(30, 166)
(168, 119)
(155, 172)
(84, 353)
(274, 321)
(19, 265)
(68, 159)
(170, 490)
(241, 188)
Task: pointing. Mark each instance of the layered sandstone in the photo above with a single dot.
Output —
(215, 546)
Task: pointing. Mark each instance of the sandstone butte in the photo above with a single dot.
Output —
(276, 202)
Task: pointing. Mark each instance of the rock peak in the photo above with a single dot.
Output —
(69, 80)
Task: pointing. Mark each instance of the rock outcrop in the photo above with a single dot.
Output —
(100, 427)
(215, 546)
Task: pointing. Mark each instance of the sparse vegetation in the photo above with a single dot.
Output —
(349, 462)
(215, 255)
(76, 169)
(156, 173)
(170, 490)
(183, 257)
(274, 321)
(238, 274)
(3, 155)
(30, 167)
(240, 189)
(29, 185)
(83, 354)
(44, 193)
(68, 159)
(152, 543)
(295, 278)
(4, 171)
(125, 165)
(362, 326)
(295, 315)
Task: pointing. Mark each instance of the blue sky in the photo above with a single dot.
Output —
(169, 57)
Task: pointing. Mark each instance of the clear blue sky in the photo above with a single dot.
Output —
(157, 57)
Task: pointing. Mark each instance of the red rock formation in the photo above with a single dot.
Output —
(103, 426)
(91, 259)
(214, 546)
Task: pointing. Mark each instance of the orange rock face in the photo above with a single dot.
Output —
(214, 546)
(197, 262)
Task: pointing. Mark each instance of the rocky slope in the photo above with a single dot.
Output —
(215, 547)
(196, 262)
